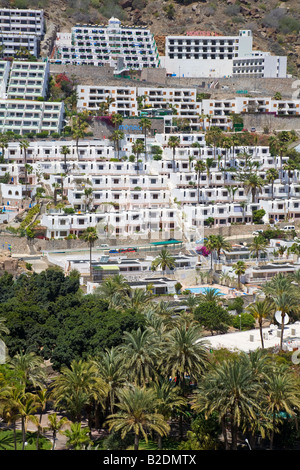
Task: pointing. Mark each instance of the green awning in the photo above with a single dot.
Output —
(107, 268)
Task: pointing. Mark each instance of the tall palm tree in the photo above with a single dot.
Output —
(173, 143)
(138, 148)
(211, 244)
(79, 126)
(271, 176)
(116, 137)
(282, 395)
(167, 401)
(261, 309)
(65, 150)
(164, 260)
(221, 244)
(110, 367)
(56, 426)
(27, 408)
(28, 369)
(284, 295)
(78, 386)
(112, 288)
(229, 389)
(145, 124)
(199, 168)
(253, 184)
(185, 353)
(136, 412)
(116, 119)
(258, 245)
(209, 163)
(140, 352)
(277, 146)
(239, 269)
(24, 144)
(90, 236)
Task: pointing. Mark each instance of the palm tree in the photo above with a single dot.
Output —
(209, 163)
(28, 369)
(239, 269)
(221, 244)
(261, 309)
(78, 131)
(290, 167)
(77, 437)
(145, 124)
(210, 295)
(173, 143)
(137, 148)
(137, 413)
(116, 137)
(214, 137)
(211, 244)
(271, 176)
(24, 144)
(258, 245)
(277, 146)
(116, 119)
(282, 395)
(167, 401)
(140, 353)
(27, 409)
(65, 150)
(90, 236)
(230, 391)
(164, 260)
(78, 386)
(185, 353)
(199, 168)
(284, 295)
(253, 184)
(56, 425)
(110, 367)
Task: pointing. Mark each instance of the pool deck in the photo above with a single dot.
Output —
(227, 291)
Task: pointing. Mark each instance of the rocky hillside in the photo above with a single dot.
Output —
(275, 25)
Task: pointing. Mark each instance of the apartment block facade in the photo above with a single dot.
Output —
(123, 48)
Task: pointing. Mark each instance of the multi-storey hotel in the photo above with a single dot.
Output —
(20, 28)
(120, 47)
(204, 54)
(28, 80)
(27, 116)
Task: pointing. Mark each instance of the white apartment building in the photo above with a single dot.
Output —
(120, 47)
(28, 80)
(26, 116)
(21, 28)
(121, 100)
(206, 54)
(26, 21)
(12, 43)
(260, 65)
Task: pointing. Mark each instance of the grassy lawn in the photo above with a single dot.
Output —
(7, 441)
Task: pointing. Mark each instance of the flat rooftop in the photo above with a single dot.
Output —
(250, 340)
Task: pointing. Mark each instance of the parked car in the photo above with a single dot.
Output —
(113, 251)
(253, 129)
(104, 245)
(289, 227)
(257, 232)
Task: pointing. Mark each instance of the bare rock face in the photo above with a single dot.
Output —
(49, 38)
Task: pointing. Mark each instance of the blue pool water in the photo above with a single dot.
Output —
(202, 290)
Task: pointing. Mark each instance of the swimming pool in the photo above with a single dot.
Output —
(202, 290)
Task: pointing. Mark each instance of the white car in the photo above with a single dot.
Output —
(257, 232)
